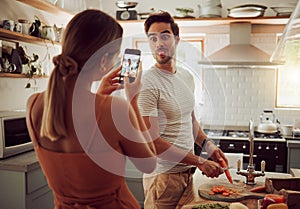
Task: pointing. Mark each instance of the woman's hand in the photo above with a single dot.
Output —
(132, 89)
(110, 82)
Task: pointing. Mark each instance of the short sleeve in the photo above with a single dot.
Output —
(147, 102)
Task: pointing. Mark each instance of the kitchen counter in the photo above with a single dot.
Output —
(295, 172)
(23, 162)
(191, 196)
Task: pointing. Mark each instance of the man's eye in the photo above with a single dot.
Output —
(153, 39)
(165, 37)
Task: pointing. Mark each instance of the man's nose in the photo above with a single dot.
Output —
(159, 42)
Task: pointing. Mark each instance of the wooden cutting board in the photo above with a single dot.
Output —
(240, 187)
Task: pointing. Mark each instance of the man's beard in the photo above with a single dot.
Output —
(163, 61)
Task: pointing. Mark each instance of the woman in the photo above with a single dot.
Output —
(79, 137)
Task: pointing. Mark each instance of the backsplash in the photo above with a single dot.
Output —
(233, 96)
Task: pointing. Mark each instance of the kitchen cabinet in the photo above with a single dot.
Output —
(23, 184)
(134, 180)
(293, 160)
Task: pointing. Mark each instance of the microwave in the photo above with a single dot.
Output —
(14, 136)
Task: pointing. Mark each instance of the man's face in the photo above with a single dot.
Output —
(162, 42)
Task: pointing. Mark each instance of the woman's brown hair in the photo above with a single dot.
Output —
(86, 33)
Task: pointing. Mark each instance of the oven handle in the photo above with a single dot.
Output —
(244, 155)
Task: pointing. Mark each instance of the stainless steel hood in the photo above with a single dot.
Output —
(239, 52)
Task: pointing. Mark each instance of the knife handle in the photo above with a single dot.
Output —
(263, 166)
(239, 165)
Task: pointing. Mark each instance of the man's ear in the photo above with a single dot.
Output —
(177, 39)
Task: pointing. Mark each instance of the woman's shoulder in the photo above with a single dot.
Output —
(32, 98)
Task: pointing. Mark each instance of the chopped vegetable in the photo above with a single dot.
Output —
(258, 189)
(211, 206)
(220, 189)
(227, 173)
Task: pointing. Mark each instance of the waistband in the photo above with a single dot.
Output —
(191, 170)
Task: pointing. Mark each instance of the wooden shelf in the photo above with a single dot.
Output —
(15, 75)
(46, 6)
(226, 20)
(7, 34)
(270, 20)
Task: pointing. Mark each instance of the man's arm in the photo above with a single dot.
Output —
(167, 151)
(201, 139)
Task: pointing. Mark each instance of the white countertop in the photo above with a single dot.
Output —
(23, 162)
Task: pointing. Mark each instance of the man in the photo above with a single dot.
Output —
(166, 103)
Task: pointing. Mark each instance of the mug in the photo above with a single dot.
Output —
(8, 25)
(25, 25)
(18, 27)
(48, 33)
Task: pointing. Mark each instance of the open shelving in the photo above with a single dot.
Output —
(46, 6)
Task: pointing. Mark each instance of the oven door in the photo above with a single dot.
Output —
(273, 153)
(14, 138)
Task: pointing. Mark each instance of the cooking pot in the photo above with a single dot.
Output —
(286, 130)
(267, 123)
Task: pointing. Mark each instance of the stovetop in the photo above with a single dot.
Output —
(242, 135)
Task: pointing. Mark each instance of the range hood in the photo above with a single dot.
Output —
(239, 52)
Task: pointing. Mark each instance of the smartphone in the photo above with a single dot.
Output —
(130, 64)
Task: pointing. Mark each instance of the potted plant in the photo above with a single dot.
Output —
(30, 65)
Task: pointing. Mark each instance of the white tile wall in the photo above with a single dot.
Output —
(233, 96)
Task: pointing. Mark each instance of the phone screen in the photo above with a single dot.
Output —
(130, 64)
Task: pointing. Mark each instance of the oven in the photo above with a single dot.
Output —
(270, 148)
(14, 136)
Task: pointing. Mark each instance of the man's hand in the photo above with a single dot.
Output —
(210, 168)
(215, 153)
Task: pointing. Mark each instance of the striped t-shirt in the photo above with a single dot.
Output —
(170, 97)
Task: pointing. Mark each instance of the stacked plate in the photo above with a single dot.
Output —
(284, 9)
(247, 11)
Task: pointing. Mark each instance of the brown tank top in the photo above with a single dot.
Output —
(79, 182)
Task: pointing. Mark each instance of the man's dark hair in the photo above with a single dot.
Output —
(161, 17)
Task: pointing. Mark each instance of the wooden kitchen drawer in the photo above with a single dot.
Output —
(35, 180)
